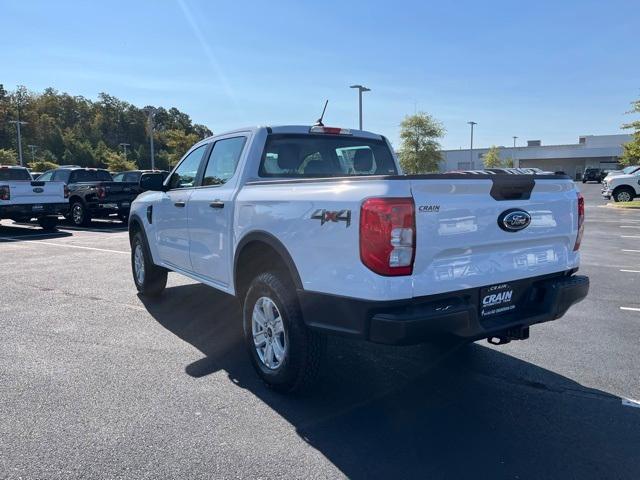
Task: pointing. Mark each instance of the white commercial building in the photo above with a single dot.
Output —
(600, 151)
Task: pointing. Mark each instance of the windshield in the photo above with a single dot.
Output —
(299, 156)
(14, 174)
(629, 170)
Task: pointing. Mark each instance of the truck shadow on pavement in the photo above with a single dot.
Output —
(15, 233)
(444, 411)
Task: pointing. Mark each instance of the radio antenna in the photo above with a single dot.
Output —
(319, 122)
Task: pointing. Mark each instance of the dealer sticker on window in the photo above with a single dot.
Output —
(497, 299)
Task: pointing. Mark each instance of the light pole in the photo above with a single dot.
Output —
(124, 147)
(33, 152)
(18, 123)
(471, 149)
(513, 156)
(152, 113)
(360, 90)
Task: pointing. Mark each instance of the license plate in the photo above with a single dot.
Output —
(125, 204)
(37, 207)
(110, 205)
(498, 299)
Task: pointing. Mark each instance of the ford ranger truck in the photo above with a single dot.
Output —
(22, 198)
(316, 231)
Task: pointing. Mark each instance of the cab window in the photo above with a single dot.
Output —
(184, 176)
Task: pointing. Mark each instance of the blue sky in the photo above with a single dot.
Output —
(538, 70)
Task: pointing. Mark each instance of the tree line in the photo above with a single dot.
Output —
(65, 129)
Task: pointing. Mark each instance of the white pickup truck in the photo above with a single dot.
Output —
(623, 186)
(22, 198)
(315, 230)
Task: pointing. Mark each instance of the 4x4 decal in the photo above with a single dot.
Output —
(332, 216)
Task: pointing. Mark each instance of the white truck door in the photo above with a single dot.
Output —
(210, 212)
(170, 214)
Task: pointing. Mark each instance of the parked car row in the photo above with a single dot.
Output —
(79, 194)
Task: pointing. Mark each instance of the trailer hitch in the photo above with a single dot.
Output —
(516, 333)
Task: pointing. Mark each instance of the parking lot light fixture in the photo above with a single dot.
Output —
(361, 89)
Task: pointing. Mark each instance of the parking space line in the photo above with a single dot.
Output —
(633, 251)
(629, 226)
(630, 309)
(630, 402)
(67, 246)
(630, 236)
(629, 271)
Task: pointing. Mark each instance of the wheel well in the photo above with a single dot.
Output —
(75, 198)
(134, 227)
(257, 257)
(624, 187)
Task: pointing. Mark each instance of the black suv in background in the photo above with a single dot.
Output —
(94, 194)
(593, 175)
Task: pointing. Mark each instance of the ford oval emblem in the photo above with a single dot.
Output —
(514, 220)
(38, 190)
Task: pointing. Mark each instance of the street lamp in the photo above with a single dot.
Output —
(471, 149)
(152, 114)
(18, 122)
(513, 156)
(124, 147)
(33, 152)
(360, 90)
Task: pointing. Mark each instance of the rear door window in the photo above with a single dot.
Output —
(299, 156)
(90, 176)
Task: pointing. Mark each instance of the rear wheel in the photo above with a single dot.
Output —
(48, 223)
(284, 352)
(150, 279)
(623, 195)
(79, 215)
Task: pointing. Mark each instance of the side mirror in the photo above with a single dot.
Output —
(152, 181)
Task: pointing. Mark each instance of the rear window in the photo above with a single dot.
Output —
(300, 156)
(14, 174)
(127, 177)
(90, 176)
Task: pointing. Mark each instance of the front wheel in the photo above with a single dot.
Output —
(285, 353)
(150, 279)
(623, 195)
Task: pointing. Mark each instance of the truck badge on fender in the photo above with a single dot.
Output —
(332, 216)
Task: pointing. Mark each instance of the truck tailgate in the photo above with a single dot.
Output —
(460, 243)
(34, 192)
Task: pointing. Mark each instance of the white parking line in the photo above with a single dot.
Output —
(631, 309)
(629, 271)
(632, 251)
(630, 236)
(629, 226)
(630, 402)
(66, 245)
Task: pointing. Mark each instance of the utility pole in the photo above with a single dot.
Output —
(124, 147)
(152, 114)
(513, 157)
(360, 90)
(471, 149)
(33, 152)
(18, 123)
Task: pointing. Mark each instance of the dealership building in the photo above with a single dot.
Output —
(599, 151)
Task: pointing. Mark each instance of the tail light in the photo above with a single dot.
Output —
(388, 235)
(576, 247)
(5, 193)
(66, 192)
(101, 192)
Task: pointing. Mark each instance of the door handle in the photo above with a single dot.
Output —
(180, 204)
(217, 204)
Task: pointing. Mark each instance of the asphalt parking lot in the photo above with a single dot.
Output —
(97, 383)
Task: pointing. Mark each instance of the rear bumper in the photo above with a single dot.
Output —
(22, 211)
(106, 208)
(457, 313)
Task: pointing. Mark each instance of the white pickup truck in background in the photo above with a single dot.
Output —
(22, 198)
(623, 186)
(315, 230)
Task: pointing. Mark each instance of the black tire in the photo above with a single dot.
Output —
(584, 181)
(79, 215)
(48, 223)
(304, 348)
(624, 194)
(153, 279)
